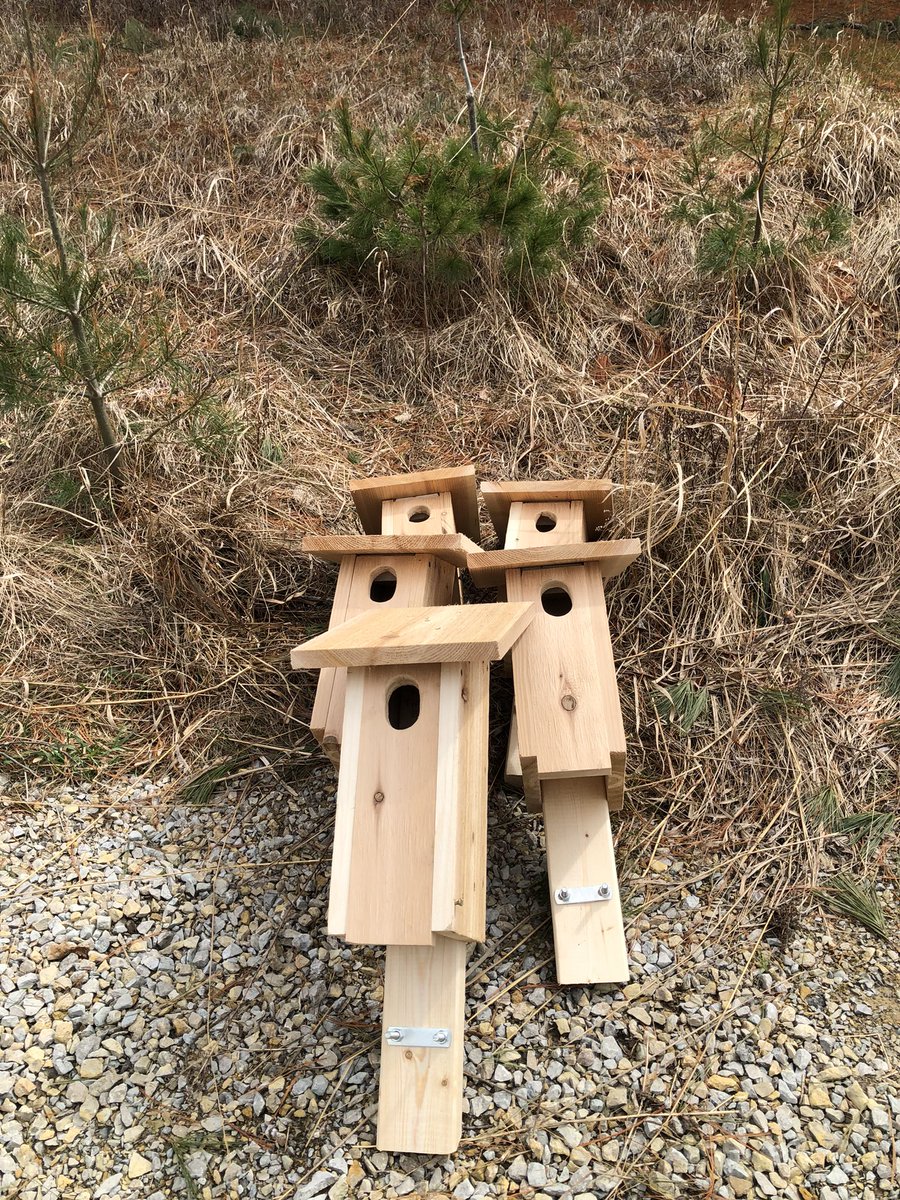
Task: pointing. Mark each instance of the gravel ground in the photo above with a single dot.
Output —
(174, 1022)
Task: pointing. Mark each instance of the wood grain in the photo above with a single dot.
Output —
(420, 1090)
(422, 579)
(420, 514)
(393, 841)
(522, 532)
(589, 939)
(454, 548)
(595, 494)
(512, 767)
(488, 568)
(608, 688)
(527, 781)
(560, 705)
(345, 807)
(368, 495)
(458, 897)
(478, 632)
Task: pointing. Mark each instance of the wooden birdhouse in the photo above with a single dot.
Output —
(419, 531)
(410, 837)
(567, 744)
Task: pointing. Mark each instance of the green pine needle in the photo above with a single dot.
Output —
(846, 897)
(684, 703)
(823, 809)
(869, 828)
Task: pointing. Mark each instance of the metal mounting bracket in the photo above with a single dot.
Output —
(408, 1035)
(583, 895)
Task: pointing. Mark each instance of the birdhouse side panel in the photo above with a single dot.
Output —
(609, 688)
(461, 803)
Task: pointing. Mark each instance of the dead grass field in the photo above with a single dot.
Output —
(753, 434)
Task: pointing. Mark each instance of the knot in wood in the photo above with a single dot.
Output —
(378, 797)
(569, 703)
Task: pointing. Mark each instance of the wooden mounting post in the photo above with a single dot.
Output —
(588, 935)
(420, 1088)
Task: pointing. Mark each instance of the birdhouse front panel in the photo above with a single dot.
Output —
(368, 582)
(430, 513)
(385, 822)
(560, 710)
(545, 523)
(460, 852)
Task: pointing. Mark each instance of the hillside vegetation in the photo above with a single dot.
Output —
(739, 385)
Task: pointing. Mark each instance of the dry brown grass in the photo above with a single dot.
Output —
(754, 439)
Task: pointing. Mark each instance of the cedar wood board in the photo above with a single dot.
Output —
(418, 635)
(488, 568)
(368, 495)
(589, 938)
(595, 494)
(454, 548)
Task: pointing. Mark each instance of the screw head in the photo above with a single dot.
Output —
(604, 890)
(393, 1035)
(440, 1037)
(562, 895)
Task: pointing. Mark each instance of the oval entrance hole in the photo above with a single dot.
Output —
(556, 601)
(420, 514)
(383, 587)
(403, 706)
(545, 522)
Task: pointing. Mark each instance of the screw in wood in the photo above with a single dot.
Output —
(604, 891)
(393, 1035)
(440, 1036)
(562, 895)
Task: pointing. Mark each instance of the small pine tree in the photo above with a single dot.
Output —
(62, 322)
(731, 220)
(432, 210)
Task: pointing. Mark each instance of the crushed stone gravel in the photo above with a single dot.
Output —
(174, 1022)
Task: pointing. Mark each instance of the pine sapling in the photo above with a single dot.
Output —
(432, 210)
(459, 10)
(56, 295)
(732, 220)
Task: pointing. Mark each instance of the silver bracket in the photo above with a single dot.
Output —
(408, 1035)
(583, 895)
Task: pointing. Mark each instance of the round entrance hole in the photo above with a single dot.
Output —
(403, 706)
(382, 587)
(545, 522)
(419, 514)
(556, 601)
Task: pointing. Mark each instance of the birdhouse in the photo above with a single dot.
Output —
(410, 842)
(567, 744)
(409, 555)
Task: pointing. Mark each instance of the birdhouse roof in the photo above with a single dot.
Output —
(398, 636)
